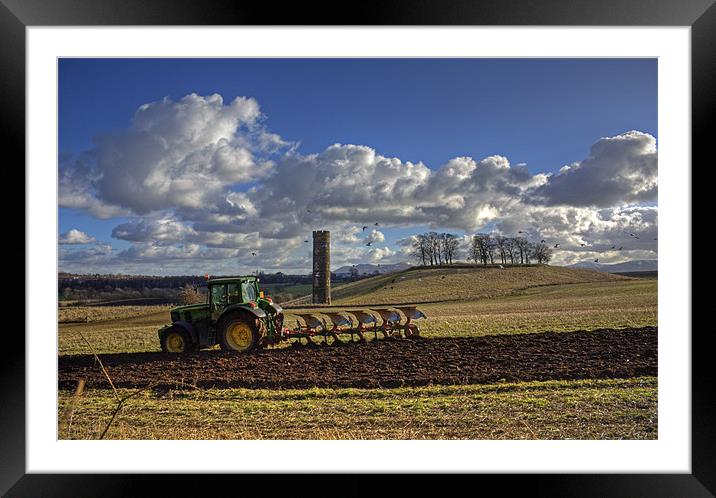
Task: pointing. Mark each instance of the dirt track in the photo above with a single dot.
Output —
(566, 355)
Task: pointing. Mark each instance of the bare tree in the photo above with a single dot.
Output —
(542, 253)
(490, 248)
(434, 248)
(190, 295)
(529, 252)
(510, 249)
(437, 248)
(481, 248)
(449, 245)
(474, 251)
(420, 249)
(442, 244)
(501, 244)
(522, 249)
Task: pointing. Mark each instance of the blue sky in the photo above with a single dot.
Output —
(543, 112)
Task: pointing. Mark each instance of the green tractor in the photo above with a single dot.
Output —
(237, 316)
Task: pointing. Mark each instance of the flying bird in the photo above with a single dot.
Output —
(501, 267)
(632, 235)
(542, 241)
(364, 228)
(614, 247)
(376, 223)
(621, 248)
(556, 246)
(305, 241)
(369, 243)
(582, 245)
(520, 231)
(596, 260)
(253, 254)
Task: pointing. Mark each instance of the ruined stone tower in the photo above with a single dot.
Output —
(321, 267)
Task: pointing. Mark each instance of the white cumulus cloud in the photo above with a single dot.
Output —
(619, 170)
(75, 236)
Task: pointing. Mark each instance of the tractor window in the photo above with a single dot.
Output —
(218, 298)
(234, 293)
(249, 291)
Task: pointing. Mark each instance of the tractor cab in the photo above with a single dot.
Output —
(225, 292)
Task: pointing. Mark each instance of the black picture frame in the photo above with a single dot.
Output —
(16, 15)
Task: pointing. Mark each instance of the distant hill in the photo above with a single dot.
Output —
(419, 284)
(368, 269)
(627, 266)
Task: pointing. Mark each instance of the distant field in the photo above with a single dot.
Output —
(639, 274)
(557, 308)
(419, 285)
(285, 292)
(590, 409)
(83, 314)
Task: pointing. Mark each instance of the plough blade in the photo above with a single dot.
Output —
(391, 322)
(411, 312)
(388, 316)
(314, 326)
(365, 320)
(312, 321)
(363, 317)
(339, 320)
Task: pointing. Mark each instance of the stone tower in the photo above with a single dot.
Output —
(321, 267)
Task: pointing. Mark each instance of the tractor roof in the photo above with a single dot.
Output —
(228, 280)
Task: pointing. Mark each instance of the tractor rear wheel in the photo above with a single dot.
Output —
(177, 340)
(238, 332)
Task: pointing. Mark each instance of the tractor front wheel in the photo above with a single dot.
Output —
(238, 332)
(177, 340)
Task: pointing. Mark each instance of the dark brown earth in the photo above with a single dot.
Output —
(416, 362)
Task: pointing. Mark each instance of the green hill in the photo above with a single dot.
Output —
(453, 283)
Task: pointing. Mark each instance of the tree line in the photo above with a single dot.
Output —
(434, 248)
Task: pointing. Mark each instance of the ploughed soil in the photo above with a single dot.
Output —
(594, 354)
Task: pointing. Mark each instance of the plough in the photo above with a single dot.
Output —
(360, 322)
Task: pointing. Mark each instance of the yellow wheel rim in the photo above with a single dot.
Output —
(175, 343)
(239, 336)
